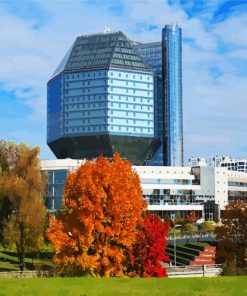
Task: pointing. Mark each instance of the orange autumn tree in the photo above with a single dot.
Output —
(97, 230)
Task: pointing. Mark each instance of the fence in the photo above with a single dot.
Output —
(187, 234)
(174, 271)
(23, 274)
(195, 271)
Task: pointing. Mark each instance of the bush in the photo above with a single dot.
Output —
(176, 230)
(189, 227)
(206, 225)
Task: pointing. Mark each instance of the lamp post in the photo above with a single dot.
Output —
(175, 259)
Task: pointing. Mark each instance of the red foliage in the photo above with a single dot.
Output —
(150, 250)
(192, 217)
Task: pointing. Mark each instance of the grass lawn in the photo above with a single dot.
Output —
(221, 286)
(9, 260)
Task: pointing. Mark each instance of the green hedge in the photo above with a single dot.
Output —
(189, 227)
(206, 225)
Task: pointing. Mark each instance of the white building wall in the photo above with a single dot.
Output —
(207, 182)
(221, 187)
(213, 182)
(214, 185)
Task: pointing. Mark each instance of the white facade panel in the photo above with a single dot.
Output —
(171, 186)
(167, 207)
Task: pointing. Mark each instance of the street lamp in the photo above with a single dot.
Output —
(175, 259)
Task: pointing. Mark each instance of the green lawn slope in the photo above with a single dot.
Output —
(9, 260)
(220, 286)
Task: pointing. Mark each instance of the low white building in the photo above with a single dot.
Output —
(234, 164)
(167, 190)
(197, 161)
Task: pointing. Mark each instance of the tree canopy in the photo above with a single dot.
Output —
(98, 228)
(232, 234)
(22, 188)
(149, 253)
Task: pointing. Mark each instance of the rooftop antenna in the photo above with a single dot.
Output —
(107, 30)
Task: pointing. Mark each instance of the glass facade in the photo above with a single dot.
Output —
(165, 58)
(102, 89)
(172, 91)
(108, 87)
(54, 108)
(152, 53)
(56, 179)
(112, 101)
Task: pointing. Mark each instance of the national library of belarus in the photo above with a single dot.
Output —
(111, 94)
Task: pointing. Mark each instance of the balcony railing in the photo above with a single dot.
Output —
(190, 235)
(173, 202)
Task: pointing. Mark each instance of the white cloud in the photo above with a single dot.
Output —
(233, 30)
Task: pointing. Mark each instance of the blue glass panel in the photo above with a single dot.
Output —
(55, 188)
(54, 108)
(152, 53)
(172, 77)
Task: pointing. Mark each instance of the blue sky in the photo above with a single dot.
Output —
(35, 35)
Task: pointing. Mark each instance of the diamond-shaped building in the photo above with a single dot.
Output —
(100, 100)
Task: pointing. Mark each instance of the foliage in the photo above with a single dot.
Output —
(149, 252)
(103, 206)
(191, 218)
(229, 268)
(167, 218)
(22, 186)
(245, 256)
(206, 225)
(232, 234)
(178, 219)
(189, 227)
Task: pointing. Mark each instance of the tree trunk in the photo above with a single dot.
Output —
(21, 251)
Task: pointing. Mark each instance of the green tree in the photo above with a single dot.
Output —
(207, 225)
(189, 227)
(22, 189)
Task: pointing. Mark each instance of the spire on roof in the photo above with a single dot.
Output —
(107, 30)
